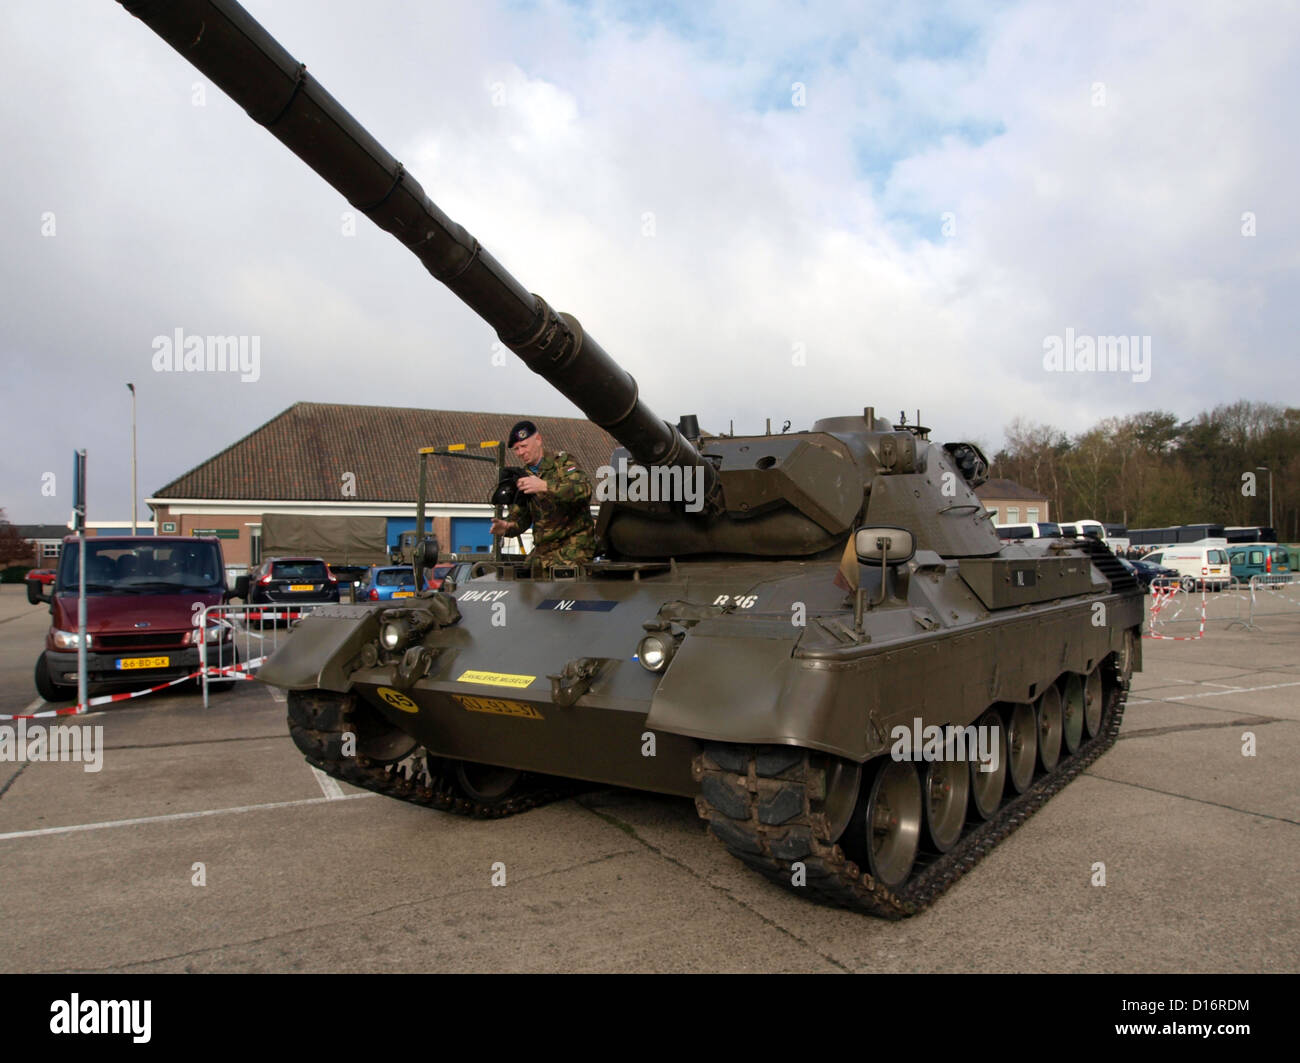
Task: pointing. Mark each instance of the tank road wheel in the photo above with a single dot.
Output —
(1074, 709)
(1050, 721)
(886, 828)
(986, 786)
(1092, 703)
(842, 781)
(946, 785)
(1022, 746)
(487, 784)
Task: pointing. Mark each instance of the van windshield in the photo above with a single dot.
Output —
(142, 567)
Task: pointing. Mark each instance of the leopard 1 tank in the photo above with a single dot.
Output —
(817, 636)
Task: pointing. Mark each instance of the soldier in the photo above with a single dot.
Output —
(557, 503)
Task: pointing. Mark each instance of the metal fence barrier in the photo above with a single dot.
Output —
(257, 632)
(1238, 603)
(1271, 595)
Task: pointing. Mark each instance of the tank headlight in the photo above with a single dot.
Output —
(655, 650)
(393, 634)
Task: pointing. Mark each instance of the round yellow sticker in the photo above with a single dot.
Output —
(398, 700)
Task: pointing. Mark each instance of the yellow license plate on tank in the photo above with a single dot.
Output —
(302, 586)
(126, 663)
(500, 707)
(403, 594)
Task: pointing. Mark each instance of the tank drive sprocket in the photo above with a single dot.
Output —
(387, 761)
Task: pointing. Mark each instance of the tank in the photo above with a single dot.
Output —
(823, 642)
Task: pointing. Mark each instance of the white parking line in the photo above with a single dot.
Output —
(175, 816)
(1241, 690)
(33, 706)
(329, 787)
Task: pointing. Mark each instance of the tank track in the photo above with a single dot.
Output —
(764, 804)
(318, 721)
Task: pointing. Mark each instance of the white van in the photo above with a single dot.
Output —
(1198, 565)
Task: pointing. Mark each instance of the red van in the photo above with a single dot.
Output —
(144, 595)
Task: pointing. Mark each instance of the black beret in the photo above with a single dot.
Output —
(521, 431)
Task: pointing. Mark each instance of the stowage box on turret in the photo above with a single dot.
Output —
(826, 645)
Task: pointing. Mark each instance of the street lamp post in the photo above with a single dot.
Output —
(131, 388)
(1265, 468)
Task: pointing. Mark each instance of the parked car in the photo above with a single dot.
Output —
(440, 572)
(1198, 566)
(37, 579)
(350, 578)
(1144, 572)
(459, 572)
(143, 596)
(385, 582)
(291, 581)
(1258, 559)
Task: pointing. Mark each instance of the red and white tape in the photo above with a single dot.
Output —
(103, 699)
(1159, 600)
(234, 671)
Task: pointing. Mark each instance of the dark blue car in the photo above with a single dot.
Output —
(1145, 572)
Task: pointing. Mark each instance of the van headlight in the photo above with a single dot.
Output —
(66, 640)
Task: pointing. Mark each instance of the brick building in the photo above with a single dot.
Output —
(1013, 504)
(326, 459)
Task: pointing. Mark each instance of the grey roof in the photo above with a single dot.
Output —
(42, 531)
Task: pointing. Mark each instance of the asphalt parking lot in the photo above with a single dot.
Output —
(101, 871)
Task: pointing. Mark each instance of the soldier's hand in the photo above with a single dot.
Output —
(532, 485)
(503, 527)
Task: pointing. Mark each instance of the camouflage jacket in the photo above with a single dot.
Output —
(561, 516)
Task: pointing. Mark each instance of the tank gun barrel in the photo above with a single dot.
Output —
(226, 44)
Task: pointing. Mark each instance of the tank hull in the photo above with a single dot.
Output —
(771, 670)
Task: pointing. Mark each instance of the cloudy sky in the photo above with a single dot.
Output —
(766, 209)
